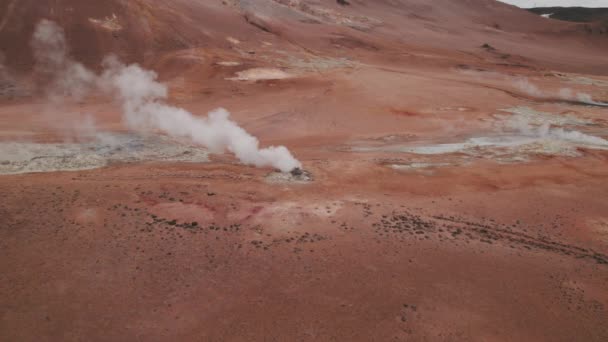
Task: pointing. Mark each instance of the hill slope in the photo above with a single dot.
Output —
(575, 14)
(147, 30)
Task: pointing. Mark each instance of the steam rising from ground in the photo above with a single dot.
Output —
(566, 94)
(545, 131)
(516, 138)
(143, 102)
(524, 85)
(64, 76)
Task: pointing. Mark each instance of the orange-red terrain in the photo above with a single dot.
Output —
(456, 161)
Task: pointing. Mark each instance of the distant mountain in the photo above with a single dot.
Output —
(575, 14)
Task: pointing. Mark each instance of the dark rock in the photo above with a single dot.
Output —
(488, 47)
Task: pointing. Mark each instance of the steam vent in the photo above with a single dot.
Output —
(296, 175)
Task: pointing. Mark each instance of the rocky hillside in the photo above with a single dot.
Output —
(190, 31)
(575, 14)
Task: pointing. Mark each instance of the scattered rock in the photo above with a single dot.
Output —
(488, 47)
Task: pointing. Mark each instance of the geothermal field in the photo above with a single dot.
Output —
(295, 170)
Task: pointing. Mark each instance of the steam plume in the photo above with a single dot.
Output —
(545, 131)
(524, 85)
(566, 94)
(65, 77)
(143, 102)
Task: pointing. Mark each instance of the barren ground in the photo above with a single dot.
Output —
(430, 216)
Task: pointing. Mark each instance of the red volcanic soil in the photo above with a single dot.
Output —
(385, 243)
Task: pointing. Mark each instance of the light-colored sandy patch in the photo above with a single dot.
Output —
(87, 215)
(28, 157)
(234, 41)
(316, 64)
(107, 23)
(534, 117)
(258, 74)
(582, 80)
(320, 209)
(289, 178)
(502, 148)
(456, 109)
(599, 228)
(417, 166)
(228, 63)
(287, 216)
(524, 133)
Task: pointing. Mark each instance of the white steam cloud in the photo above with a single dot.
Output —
(143, 102)
(66, 77)
(524, 85)
(546, 131)
(566, 94)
